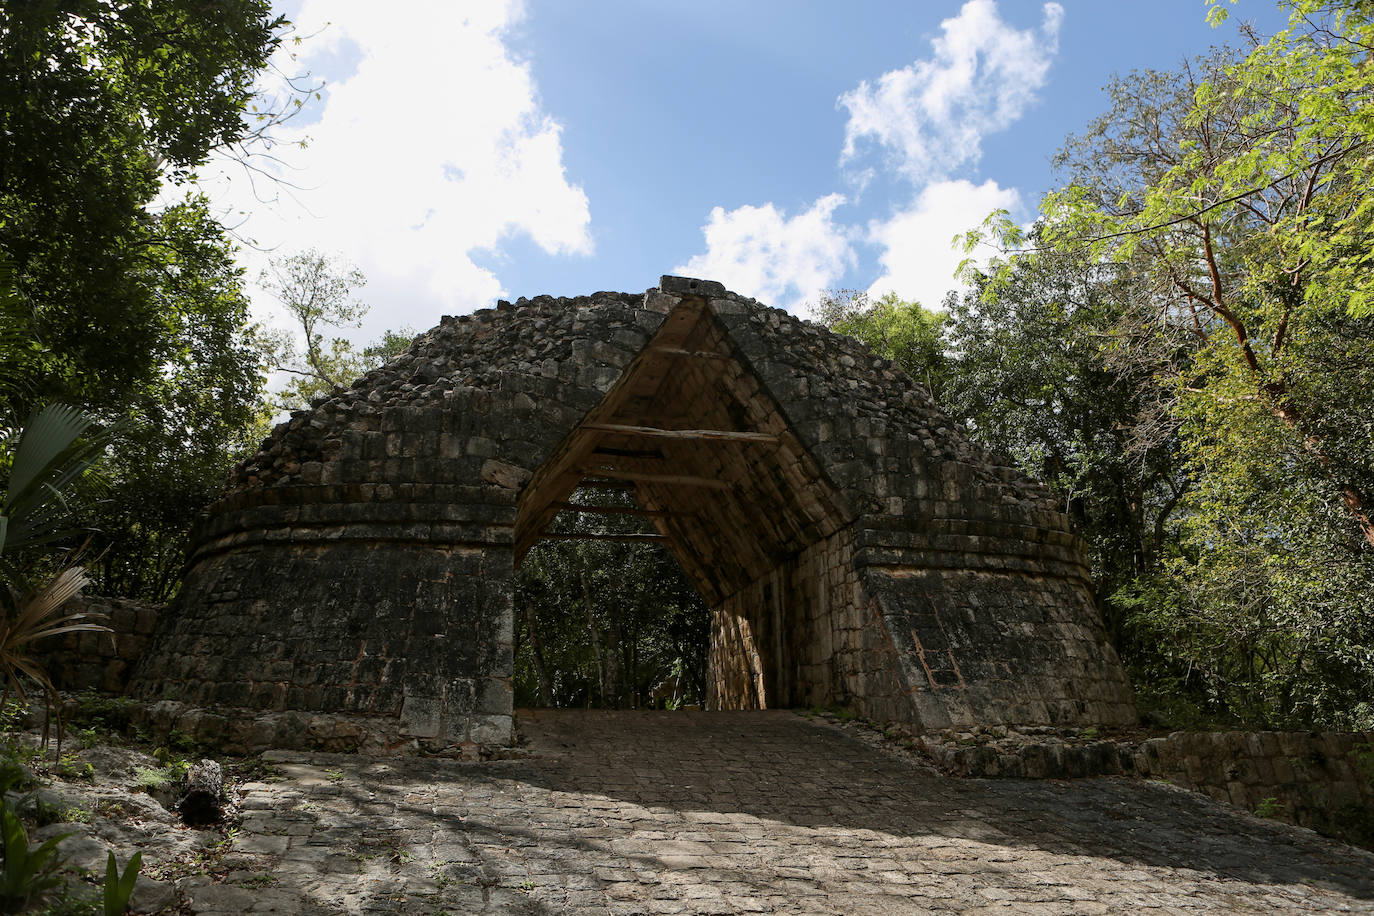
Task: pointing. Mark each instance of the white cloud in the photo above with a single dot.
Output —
(930, 117)
(918, 260)
(759, 252)
(433, 150)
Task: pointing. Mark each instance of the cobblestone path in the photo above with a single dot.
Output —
(749, 813)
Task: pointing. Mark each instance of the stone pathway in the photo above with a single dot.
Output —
(766, 812)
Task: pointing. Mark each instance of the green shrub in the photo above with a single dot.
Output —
(96, 713)
(150, 780)
(45, 814)
(119, 888)
(26, 872)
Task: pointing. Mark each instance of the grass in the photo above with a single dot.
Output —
(148, 779)
(45, 814)
(263, 880)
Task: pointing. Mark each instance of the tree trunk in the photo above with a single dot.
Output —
(613, 666)
(541, 674)
(203, 800)
(596, 636)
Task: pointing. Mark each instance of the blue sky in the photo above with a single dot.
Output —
(466, 151)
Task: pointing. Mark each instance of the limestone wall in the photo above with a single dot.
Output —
(360, 567)
(360, 564)
(805, 635)
(99, 661)
(980, 585)
(1324, 781)
(1320, 780)
(279, 630)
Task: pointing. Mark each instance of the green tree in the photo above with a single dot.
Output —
(200, 414)
(599, 623)
(1031, 374)
(100, 101)
(1243, 204)
(317, 291)
(904, 332)
(118, 301)
(1236, 194)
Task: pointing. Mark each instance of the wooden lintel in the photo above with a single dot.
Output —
(691, 354)
(709, 483)
(633, 538)
(710, 435)
(619, 510)
(645, 454)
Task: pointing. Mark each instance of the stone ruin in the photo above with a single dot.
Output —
(353, 588)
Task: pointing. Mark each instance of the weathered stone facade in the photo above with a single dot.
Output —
(1321, 780)
(855, 547)
(99, 661)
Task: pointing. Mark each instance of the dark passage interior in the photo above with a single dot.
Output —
(713, 467)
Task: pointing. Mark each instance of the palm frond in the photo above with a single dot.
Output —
(48, 457)
(40, 615)
(53, 453)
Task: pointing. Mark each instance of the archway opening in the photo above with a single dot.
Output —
(604, 616)
(692, 454)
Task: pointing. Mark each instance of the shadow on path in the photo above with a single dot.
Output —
(781, 767)
(767, 812)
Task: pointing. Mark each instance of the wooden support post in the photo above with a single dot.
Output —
(642, 454)
(690, 354)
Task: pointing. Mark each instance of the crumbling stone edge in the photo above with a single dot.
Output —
(1320, 780)
(250, 731)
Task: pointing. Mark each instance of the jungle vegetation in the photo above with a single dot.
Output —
(1182, 345)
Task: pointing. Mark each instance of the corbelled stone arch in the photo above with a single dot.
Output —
(734, 494)
(353, 587)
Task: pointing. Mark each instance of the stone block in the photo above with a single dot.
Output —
(491, 731)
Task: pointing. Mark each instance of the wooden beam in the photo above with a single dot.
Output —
(633, 538)
(690, 354)
(681, 480)
(709, 435)
(606, 484)
(620, 510)
(652, 454)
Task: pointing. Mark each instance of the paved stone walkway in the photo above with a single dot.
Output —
(749, 813)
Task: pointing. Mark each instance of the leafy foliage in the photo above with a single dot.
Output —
(26, 871)
(202, 412)
(99, 101)
(1031, 373)
(49, 459)
(1229, 204)
(43, 463)
(1236, 203)
(119, 888)
(317, 292)
(605, 621)
(114, 294)
(904, 332)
